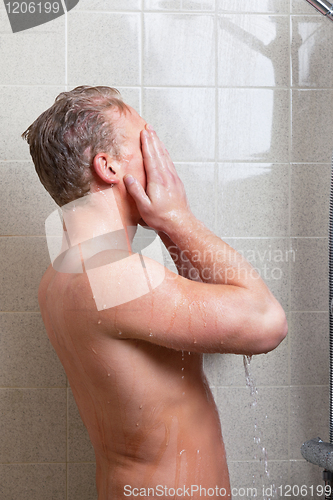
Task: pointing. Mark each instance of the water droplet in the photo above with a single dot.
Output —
(119, 333)
(194, 341)
(109, 374)
(261, 454)
(93, 350)
(99, 321)
(183, 369)
(181, 452)
(183, 376)
(140, 407)
(104, 307)
(137, 424)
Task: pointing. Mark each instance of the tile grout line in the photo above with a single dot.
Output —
(216, 176)
(173, 86)
(270, 164)
(66, 87)
(142, 18)
(289, 230)
(66, 50)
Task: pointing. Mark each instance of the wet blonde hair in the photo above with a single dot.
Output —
(65, 139)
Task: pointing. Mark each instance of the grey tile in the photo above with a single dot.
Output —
(198, 180)
(229, 370)
(253, 125)
(33, 57)
(33, 425)
(20, 106)
(199, 5)
(309, 348)
(33, 481)
(309, 274)
(209, 364)
(185, 55)
(271, 6)
(253, 50)
(303, 7)
(24, 200)
(108, 5)
(311, 126)
(114, 37)
(27, 358)
(310, 38)
(251, 475)
(302, 472)
(253, 199)
(180, 5)
(239, 418)
(131, 96)
(81, 482)
(80, 448)
(310, 195)
(271, 258)
(270, 369)
(309, 416)
(167, 259)
(184, 120)
(162, 4)
(23, 262)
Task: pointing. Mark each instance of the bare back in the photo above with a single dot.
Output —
(148, 409)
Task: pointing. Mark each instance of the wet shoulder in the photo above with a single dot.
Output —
(56, 287)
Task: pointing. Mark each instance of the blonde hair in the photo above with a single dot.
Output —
(65, 138)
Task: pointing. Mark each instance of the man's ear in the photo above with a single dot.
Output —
(106, 168)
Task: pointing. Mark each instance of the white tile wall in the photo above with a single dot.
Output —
(238, 91)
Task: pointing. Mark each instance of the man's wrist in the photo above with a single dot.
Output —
(179, 224)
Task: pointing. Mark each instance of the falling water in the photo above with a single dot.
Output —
(261, 452)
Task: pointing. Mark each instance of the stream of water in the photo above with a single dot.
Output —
(260, 452)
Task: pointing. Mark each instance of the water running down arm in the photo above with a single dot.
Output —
(243, 314)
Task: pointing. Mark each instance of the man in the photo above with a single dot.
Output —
(135, 363)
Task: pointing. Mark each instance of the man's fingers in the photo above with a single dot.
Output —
(137, 192)
(155, 155)
(151, 145)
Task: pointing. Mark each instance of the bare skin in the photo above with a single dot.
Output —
(136, 369)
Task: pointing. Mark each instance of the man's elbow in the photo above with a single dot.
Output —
(270, 331)
(274, 329)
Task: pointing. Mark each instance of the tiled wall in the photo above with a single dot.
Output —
(243, 101)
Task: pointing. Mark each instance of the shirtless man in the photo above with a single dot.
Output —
(135, 369)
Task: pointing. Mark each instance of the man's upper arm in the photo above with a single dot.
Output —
(182, 314)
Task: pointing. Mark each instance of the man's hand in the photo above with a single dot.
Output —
(165, 199)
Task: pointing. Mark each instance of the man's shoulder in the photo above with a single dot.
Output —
(56, 286)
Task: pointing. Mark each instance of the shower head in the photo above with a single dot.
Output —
(324, 6)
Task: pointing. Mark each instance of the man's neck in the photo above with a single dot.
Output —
(94, 215)
(92, 225)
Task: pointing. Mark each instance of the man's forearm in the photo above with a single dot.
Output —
(183, 264)
(215, 261)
